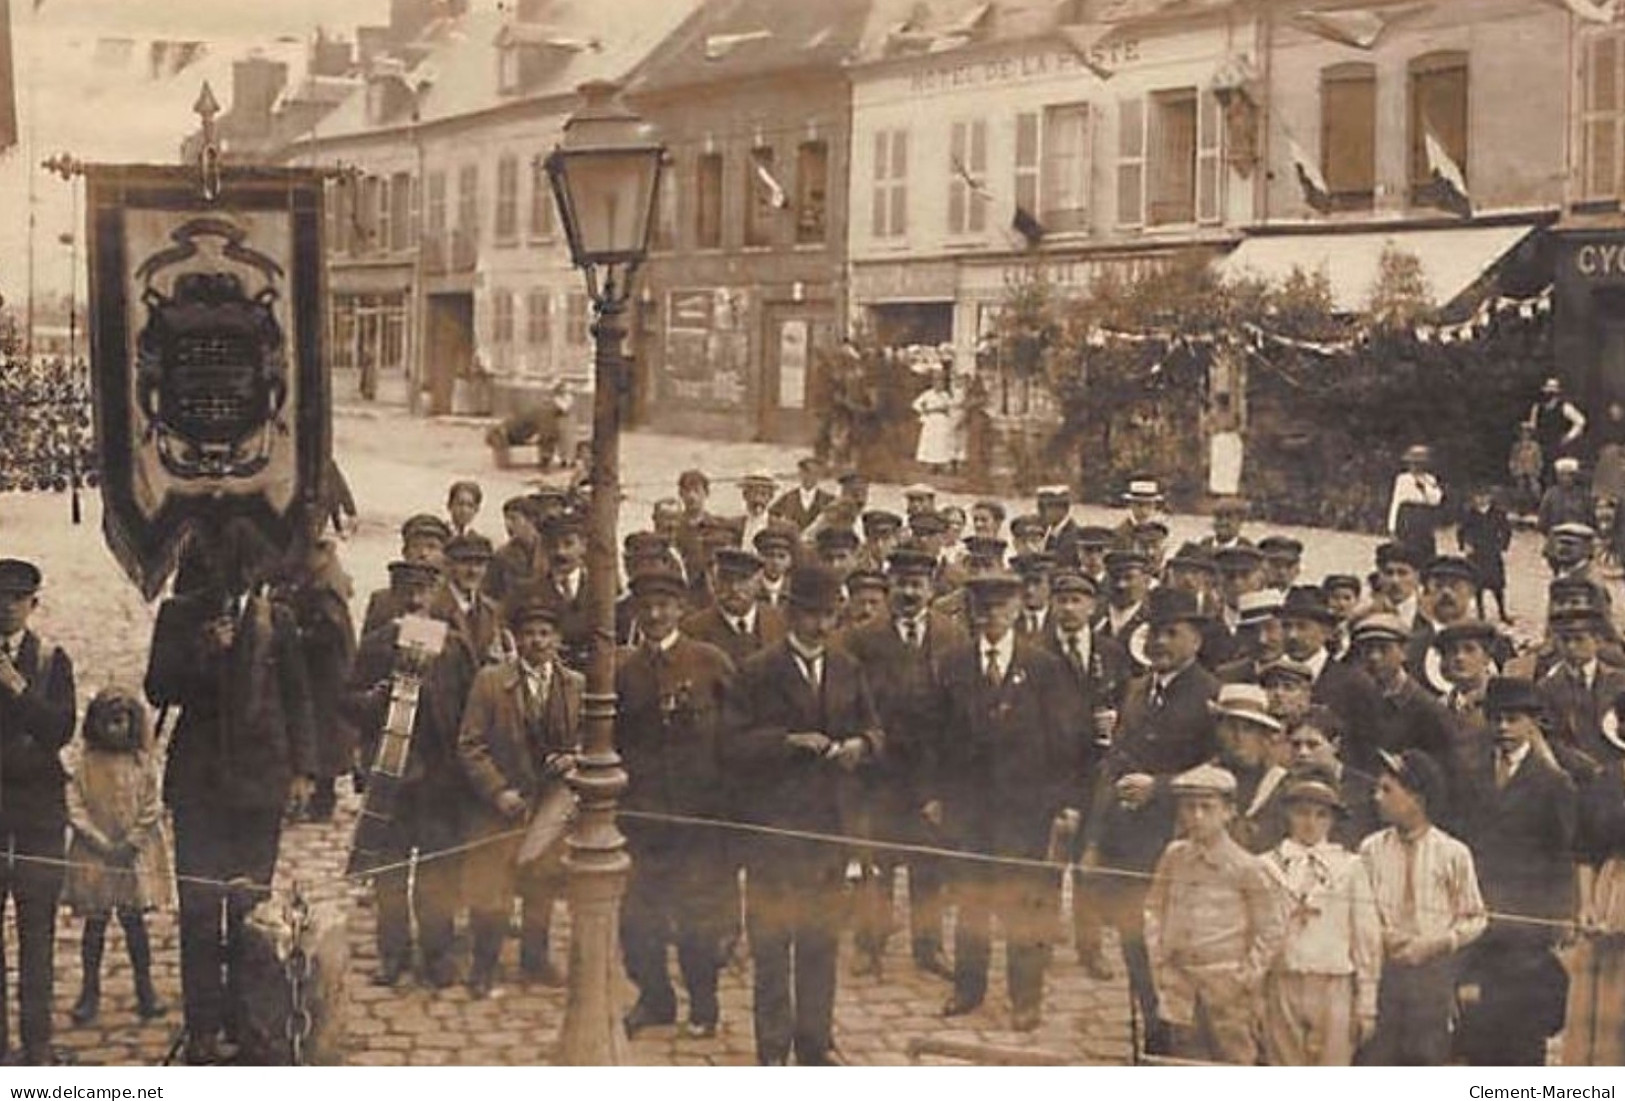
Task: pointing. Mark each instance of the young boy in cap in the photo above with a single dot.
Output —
(776, 547)
(1484, 534)
(1212, 926)
(423, 539)
(1320, 996)
(37, 705)
(1426, 887)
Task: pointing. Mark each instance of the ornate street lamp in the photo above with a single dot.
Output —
(605, 176)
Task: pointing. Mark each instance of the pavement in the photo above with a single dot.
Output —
(397, 466)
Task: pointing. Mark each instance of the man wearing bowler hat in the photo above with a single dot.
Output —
(682, 890)
(1520, 827)
(1008, 780)
(1165, 728)
(36, 719)
(1308, 629)
(799, 721)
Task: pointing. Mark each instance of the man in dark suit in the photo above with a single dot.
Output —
(1521, 829)
(902, 657)
(1308, 627)
(229, 659)
(36, 719)
(462, 602)
(1451, 587)
(428, 803)
(682, 890)
(1128, 581)
(799, 721)
(1404, 715)
(1008, 781)
(806, 502)
(1579, 691)
(518, 740)
(1054, 505)
(565, 588)
(737, 624)
(423, 539)
(776, 547)
(1166, 728)
(520, 560)
(1033, 570)
(1100, 671)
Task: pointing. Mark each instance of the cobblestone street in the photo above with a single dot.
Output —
(398, 466)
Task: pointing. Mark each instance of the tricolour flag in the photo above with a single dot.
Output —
(1450, 183)
(776, 197)
(1316, 192)
(1027, 225)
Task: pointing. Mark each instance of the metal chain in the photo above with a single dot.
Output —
(297, 970)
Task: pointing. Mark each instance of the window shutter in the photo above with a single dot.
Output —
(1131, 162)
(1026, 182)
(414, 210)
(958, 163)
(978, 170)
(899, 174)
(1602, 118)
(877, 223)
(1209, 162)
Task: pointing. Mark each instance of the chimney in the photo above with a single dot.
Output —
(330, 57)
(255, 84)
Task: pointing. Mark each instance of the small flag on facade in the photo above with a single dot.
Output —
(1027, 225)
(1450, 183)
(776, 197)
(976, 185)
(1316, 192)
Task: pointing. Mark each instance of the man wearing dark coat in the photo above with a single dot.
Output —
(565, 588)
(36, 719)
(427, 805)
(462, 601)
(1580, 690)
(737, 623)
(1008, 780)
(1405, 715)
(520, 560)
(519, 737)
(1166, 728)
(318, 595)
(902, 656)
(682, 890)
(423, 539)
(1521, 829)
(228, 658)
(799, 719)
(803, 504)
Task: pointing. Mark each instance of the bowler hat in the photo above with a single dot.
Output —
(469, 547)
(1389, 553)
(852, 478)
(735, 562)
(643, 543)
(1165, 606)
(814, 588)
(17, 576)
(1512, 696)
(1150, 529)
(1573, 529)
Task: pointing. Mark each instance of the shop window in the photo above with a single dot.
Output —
(1438, 104)
(812, 192)
(507, 219)
(889, 214)
(708, 201)
(1348, 133)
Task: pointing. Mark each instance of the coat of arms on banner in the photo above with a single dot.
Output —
(210, 390)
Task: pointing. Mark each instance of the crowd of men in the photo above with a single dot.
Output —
(1327, 822)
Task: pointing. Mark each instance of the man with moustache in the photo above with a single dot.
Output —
(736, 623)
(462, 603)
(1450, 586)
(902, 657)
(1308, 626)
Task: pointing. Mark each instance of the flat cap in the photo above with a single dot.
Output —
(1205, 779)
(658, 580)
(1466, 630)
(1072, 581)
(1034, 564)
(1093, 537)
(996, 585)
(530, 608)
(1286, 669)
(880, 520)
(911, 561)
(18, 576)
(469, 547)
(834, 539)
(773, 537)
(736, 562)
(867, 579)
(1450, 567)
(1281, 547)
(1380, 627)
(403, 574)
(1126, 558)
(1242, 556)
(425, 524)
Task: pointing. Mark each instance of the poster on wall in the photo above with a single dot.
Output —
(707, 347)
(793, 364)
(211, 401)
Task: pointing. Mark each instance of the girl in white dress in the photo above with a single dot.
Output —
(936, 409)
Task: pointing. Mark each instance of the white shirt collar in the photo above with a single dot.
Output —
(1516, 758)
(1588, 672)
(1118, 617)
(534, 675)
(1317, 663)
(1408, 610)
(806, 652)
(668, 642)
(749, 619)
(1005, 648)
(808, 496)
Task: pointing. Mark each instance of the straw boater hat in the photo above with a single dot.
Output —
(1258, 607)
(1143, 491)
(1246, 702)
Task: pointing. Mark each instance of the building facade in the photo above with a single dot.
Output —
(743, 293)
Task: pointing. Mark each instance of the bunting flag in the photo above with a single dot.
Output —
(1357, 27)
(719, 46)
(1450, 183)
(8, 81)
(776, 197)
(1316, 192)
(976, 185)
(1027, 225)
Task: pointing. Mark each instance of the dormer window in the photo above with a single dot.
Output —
(528, 55)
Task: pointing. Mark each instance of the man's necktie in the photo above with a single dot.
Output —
(1157, 696)
(911, 633)
(1503, 768)
(739, 627)
(808, 667)
(1032, 623)
(995, 675)
(1074, 651)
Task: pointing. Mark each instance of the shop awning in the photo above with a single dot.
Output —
(1452, 259)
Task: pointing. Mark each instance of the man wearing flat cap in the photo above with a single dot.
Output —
(902, 656)
(423, 539)
(1027, 534)
(1090, 544)
(565, 588)
(1165, 728)
(881, 530)
(36, 720)
(670, 690)
(1520, 820)
(228, 657)
(1128, 582)
(1283, 559)
(1008, 780)
(462, 601)
(799, 721)
(1404, 715)
(428, 809)
(736, 623)
(776, 547)
(518, 741)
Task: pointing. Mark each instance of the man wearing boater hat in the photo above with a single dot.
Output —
(36, 720)
(1007, 781)
(1165, 728)
(799, 721)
